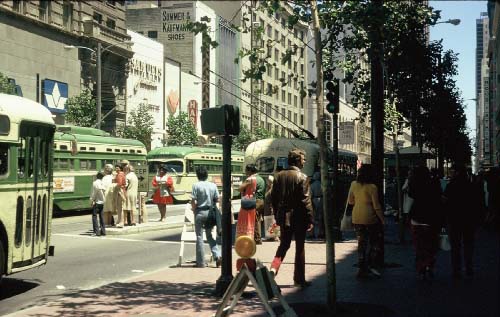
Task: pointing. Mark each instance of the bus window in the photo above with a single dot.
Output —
(177, 166)
(44, 215)
(4, 125)
(21, 169)
(236, 168)
(4, 159)
(38, 218)
(282, 163)
(18, 236)
(29, 215)
(265, 164)
(31, 157)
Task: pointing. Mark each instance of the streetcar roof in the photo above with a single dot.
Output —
(284, 145)
(182, 151)
(19, 109)
(86, 138)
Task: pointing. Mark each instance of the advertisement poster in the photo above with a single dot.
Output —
(64, 184)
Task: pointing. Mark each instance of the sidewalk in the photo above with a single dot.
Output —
(184, 291)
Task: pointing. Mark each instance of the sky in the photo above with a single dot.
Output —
(462, 40)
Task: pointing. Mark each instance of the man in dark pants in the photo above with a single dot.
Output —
(97, 198)
(294, 213)
(462, 199)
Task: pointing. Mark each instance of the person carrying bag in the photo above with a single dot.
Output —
(246, 216)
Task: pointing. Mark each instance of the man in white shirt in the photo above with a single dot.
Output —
(97, 198)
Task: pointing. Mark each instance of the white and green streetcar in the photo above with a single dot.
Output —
(26, 148)
(79, 153)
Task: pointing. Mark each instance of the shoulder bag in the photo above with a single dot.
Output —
(346, 222)
(248, 201)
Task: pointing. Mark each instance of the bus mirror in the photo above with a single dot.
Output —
(74, 147)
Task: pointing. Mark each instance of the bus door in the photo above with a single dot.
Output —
(32, 215)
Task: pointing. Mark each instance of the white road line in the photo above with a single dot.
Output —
(117, 239)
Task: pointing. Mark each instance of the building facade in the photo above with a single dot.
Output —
(494, 68)
(484, 148)
(36, 36)
(145, 83)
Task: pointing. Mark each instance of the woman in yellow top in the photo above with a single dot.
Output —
(368, 220)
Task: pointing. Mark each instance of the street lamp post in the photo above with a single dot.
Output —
(98, 53)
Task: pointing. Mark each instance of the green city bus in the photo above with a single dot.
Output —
(181, 163)
(79, 153)
(26, 147)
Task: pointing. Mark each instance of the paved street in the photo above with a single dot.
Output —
(184, 291)
(85, 262)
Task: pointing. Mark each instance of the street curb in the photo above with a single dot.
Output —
(141, 228)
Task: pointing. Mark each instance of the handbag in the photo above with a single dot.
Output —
(346, 222)
(248, 201)
(444, 241)
(213, 218)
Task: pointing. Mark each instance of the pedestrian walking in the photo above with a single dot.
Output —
(97, 199)
(271, 229)
(163, 185)
(204, 196)
(260, 190)
(317, 201)
(426, 216)
(368, 220)
(462, 200)
(120, 193)
(130, 205)
(291, 201)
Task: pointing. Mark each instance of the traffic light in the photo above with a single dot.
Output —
(332, 96)
(220, 120)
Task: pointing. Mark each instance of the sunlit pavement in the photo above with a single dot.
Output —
(185, 291)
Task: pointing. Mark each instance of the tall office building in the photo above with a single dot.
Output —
(483, 116)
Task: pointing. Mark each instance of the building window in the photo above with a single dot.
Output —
(295, 118)
(302, 119)
(302, 69)
(295, 67)
(44, 11)
(276, 35)
(153, 34)
(269, 31)
(283, 114)
(110, 23)
(301, 52)
(283, 40)
(276, 54)
(16, 5)
(268, 110)
(269, 91)
(111, 2)
(289, 98)
(283, 96)
(276, 73)
(68, 15)
(269, 71)
(295, 101)
(97, 17)
(289, 115)
(276, 113)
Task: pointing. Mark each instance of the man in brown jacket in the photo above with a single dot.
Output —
(294, 213)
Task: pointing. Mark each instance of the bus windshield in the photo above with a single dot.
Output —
(175, 166)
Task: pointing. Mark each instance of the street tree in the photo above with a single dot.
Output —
(242, 140)
(6, 87)
(81, 110)
(139, 125)
(181, 131)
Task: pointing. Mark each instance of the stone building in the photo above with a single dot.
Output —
(35, 52)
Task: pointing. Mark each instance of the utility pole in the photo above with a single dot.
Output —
(377, 104)
(330, 246)
(99, 83)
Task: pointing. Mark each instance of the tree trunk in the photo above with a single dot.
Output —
(377, 109)
(328, 216)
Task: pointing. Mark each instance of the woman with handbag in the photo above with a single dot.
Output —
(247, 215)
(163, 185)
(368, 220)
(426, 219)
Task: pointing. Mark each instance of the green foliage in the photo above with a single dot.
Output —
(5, 86)
(181, 130)
(140, 125)
(81, 110)
(241, 141)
